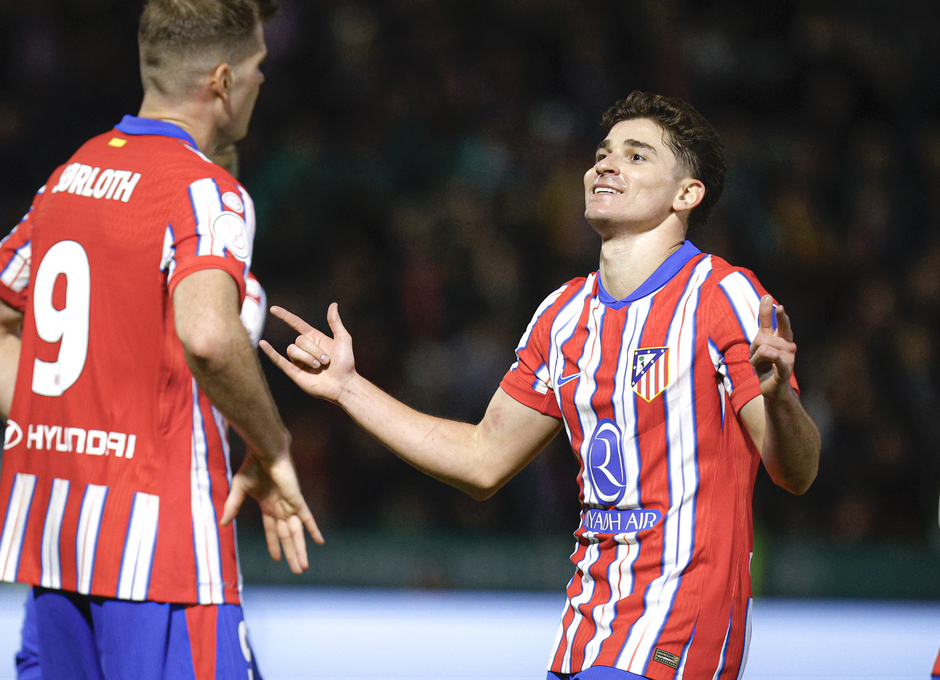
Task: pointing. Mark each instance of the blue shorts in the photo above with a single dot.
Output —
(27, 659)
(596, 673)
(69, 635)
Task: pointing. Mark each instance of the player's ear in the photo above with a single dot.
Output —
(220, 81)
(690, 194)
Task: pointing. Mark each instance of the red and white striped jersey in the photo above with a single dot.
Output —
(116, 466)
(649, 389)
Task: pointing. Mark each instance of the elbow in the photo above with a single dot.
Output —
(482, 493)
(206, 345)
(798, 482)
(484, 487)
(797, 487)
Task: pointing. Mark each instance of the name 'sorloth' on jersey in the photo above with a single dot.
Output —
(84, 180)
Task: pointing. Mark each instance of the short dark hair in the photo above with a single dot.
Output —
(692, 139)
(184, 26)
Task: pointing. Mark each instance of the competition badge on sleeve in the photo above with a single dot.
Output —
(650, 371)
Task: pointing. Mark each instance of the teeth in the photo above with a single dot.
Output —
(604, 190)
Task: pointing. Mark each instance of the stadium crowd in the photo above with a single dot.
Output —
(419, 161)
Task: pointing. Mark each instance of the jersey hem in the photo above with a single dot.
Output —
(212, 262)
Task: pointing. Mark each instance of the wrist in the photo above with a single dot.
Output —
(350, 391)
(278, 448)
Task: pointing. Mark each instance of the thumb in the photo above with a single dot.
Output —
(232, 504)
(336, 324)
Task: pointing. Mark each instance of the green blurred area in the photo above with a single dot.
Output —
(434, 560)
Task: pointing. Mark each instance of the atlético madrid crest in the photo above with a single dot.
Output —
(650, 371)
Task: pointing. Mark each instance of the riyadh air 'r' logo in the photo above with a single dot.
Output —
(605, 465)
(650, 371)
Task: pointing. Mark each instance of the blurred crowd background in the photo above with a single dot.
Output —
(420, 162)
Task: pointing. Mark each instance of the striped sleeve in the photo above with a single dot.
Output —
(528, 380)
(16, 257)
(212, 227)
(733, 325)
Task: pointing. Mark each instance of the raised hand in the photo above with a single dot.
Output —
(773, 351)
(320, 365)
(284, 511)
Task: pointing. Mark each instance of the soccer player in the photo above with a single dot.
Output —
(672, 374)
(254, 310)
(126, 277)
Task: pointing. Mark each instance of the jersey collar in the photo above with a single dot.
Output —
(132, 125)
(659, 278)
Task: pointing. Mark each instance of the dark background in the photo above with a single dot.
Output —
(420, 162)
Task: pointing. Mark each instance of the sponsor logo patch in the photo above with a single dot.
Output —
(233, 232)
(233, 201)
(666, 658)
(605, 465)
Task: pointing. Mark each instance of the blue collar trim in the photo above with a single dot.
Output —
(659, 278)
(132, 125)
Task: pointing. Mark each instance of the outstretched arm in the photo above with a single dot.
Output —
(221, 358)
(785, 435)
(477, 459)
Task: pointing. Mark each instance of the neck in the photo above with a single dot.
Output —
(627, 260)
(190, 116)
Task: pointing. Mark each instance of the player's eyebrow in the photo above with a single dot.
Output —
(637, 144)
(628, 143)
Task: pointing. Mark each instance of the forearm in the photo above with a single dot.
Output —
(232, 380)
(477, 459)
(219, 353)
(450, 451)
(791, 443)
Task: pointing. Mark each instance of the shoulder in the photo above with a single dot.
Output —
(728, 277)
(561, 296)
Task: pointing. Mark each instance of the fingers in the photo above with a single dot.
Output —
(313, 339)
(304, 353)
(292, 320)
(285, 536)
(298, 544)
(292, 371)
(271, 537)
(773, 320)
(780, 357)
(765, 315)
(784, 329)
(308, 521)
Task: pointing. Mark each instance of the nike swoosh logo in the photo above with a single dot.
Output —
(567, 379)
